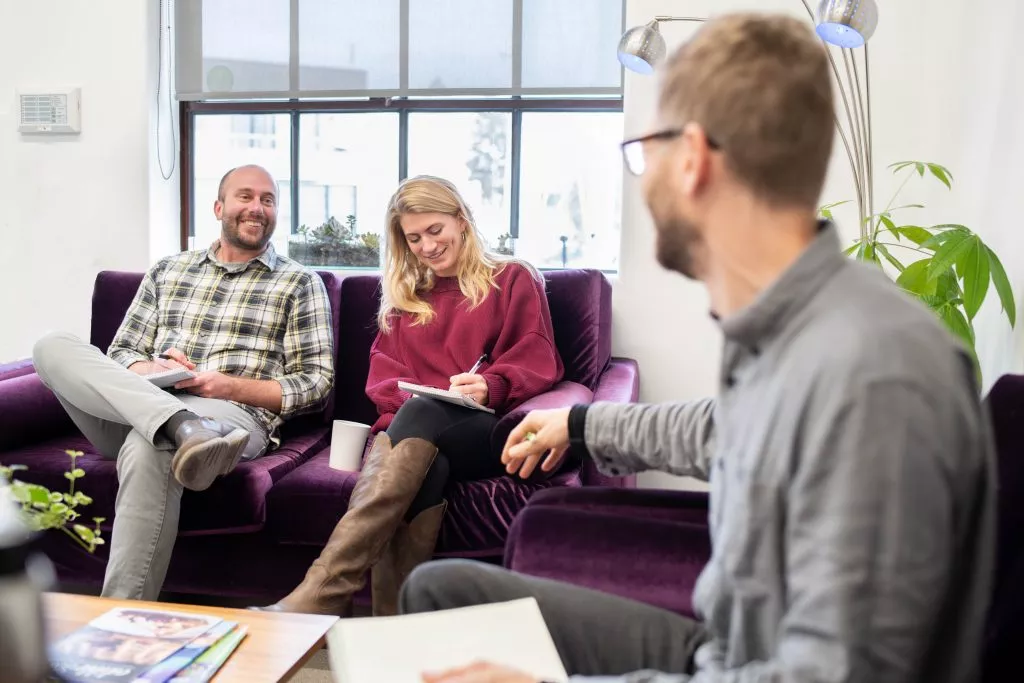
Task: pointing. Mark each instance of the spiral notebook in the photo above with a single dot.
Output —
(443, 395)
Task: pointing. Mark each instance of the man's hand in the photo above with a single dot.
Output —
(480, 672)
(542, 432)
(149, 367)
(210, 384)
(473, 386)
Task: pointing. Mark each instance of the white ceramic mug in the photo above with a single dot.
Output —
(348, 440)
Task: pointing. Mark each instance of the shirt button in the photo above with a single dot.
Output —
(615, 471)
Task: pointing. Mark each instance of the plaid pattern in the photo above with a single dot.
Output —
(268, 318)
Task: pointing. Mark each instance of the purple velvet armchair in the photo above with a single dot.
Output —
(256, 530)
(651, 545)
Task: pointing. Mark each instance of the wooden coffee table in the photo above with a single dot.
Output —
(276, 646)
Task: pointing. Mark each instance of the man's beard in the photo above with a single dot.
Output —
(231, 232)
(677, 240)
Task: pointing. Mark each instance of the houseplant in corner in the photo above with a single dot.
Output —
(947, 266)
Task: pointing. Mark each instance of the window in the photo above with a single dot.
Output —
(523, 114)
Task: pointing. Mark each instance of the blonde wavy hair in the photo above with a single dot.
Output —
(406, 279)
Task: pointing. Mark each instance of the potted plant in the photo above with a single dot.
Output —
(42, 509)
(334, 244)
(947, 266)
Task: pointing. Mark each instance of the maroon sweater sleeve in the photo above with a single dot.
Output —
(524, 360)
(386, 370)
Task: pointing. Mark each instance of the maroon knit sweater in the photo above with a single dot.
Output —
(512, 325)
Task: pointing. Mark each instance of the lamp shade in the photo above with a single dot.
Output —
(642, 48)
(846, 23)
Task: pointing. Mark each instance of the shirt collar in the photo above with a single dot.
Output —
(777, 305)
(267, 258)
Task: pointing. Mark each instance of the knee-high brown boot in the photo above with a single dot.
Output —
(412, 545)
(389, 481)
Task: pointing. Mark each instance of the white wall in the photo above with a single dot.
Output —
(71, 206)
(940, 92)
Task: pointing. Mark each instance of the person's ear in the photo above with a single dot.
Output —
(218, 209)
(696, 158)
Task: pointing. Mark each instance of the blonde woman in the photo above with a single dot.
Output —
(453, 316)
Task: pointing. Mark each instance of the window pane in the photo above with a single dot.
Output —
(348, 170)
(348, 44)
(571, 188)
(245, 45)
(224, 141)
(471, 150)
(460, 44)
(571, 44)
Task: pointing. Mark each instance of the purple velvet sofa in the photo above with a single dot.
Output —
(255, 531)
(651, 545)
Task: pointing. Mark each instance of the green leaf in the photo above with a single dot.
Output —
(915, 280)
(900, 165)
(890, 258)
(943, 235)
(957, 324)
(99, 520)
(889, 225)
(78, 472)
(915, 234)
(58, 508)
(907, 206)
(852, 248)
(943, 174)
(947, 254)
(37, 495)
(1002, 285)
(84, 532)
(826, 210)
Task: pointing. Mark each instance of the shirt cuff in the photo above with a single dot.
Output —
(577, 431)
(127, 357)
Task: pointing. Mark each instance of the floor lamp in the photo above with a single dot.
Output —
(847, 24)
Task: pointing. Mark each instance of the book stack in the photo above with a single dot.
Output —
(127, 645)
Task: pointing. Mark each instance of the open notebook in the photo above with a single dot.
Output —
(443, 395)
(170, 377)
(401, 649)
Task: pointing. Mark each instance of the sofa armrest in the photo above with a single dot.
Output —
(654, 561)
(562, 395)
(29, 412)
(16, 368)
(689, 507)
(620, 382)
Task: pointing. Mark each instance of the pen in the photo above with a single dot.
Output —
(477, 364)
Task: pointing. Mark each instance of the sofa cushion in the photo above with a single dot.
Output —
(236, 503)
(360, 298)
(581, 310)
(113, 294)
(479, 512)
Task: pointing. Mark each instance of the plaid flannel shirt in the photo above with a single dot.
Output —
(265, 319)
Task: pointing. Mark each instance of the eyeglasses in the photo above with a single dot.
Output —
(633, 149)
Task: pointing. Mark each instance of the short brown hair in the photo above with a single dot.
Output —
(759, 85)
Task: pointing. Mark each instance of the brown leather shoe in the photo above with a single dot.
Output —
(389, 481)
(206, 450)
(412, 545)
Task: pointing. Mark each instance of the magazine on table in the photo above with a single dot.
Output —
(125, 644)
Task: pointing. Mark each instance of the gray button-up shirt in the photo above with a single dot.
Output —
(852, 485)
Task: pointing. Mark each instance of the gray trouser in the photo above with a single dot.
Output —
(596, 634)
(121, 415)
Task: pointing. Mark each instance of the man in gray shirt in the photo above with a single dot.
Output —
(851, 466)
